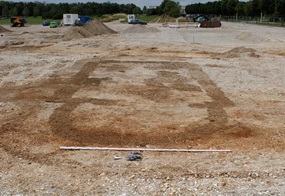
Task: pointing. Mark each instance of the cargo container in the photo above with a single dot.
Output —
(84, 19)
(69, 19)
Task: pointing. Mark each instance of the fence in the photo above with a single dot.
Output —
(272, 21)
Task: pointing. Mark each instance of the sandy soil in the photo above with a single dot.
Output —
(146, 86)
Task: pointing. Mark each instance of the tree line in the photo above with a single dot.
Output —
(233, 7)
(168, 7)
(55, 11)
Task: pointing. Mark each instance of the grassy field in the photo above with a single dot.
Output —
(30, 20)
(5, 21)
(105, 18)
(146, 18)
(123, 18)
(109, 17)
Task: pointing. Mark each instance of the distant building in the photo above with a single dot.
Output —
(152, 7)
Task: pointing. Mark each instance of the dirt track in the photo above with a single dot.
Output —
(173, 88)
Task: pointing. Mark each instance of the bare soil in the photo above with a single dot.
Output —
(146, 86)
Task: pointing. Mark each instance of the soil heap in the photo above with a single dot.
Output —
(140, 29)
(239, 52)
(2, 29)
(244, 35)
(91, 29)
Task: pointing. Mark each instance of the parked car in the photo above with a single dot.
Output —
(54, 24)
(46, 23)
(136, 21)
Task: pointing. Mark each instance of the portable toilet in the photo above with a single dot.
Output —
(69, 19)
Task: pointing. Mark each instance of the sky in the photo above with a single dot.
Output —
(139, 3)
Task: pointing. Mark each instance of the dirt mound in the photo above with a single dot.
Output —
(91, 29)
(244, 35)
(2, 29)
(77, 32)
(239, 52)
(140, 29)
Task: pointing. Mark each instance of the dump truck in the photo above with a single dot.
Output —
(18, 21)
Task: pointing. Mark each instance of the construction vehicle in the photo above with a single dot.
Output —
(18, 20)
(210, 21)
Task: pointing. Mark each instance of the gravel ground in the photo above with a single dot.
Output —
(156, 87)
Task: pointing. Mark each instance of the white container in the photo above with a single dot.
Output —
(131, 17)
(69, 19)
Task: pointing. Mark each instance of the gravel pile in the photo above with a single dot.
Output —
(2, 29)
(91, 29)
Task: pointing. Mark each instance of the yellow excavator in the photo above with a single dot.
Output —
(18, 21)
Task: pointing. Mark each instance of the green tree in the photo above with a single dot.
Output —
(151, 12)
(5, 10)
(161, 7)
(188, 9)
(248, 8)
(137, 11)
(144, 11)
(52, 10)
(172, 9)
(14, 11)
(224, 7)
(86, 10)
(256, 10)
(36, 11)
(280, 8)
(240, 8)
(267, 7)
(74, 9)
(26, 11)
(197, 8)
(231, 5)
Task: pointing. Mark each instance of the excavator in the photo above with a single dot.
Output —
(18, 20)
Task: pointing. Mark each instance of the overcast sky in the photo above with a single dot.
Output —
(139, 3)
